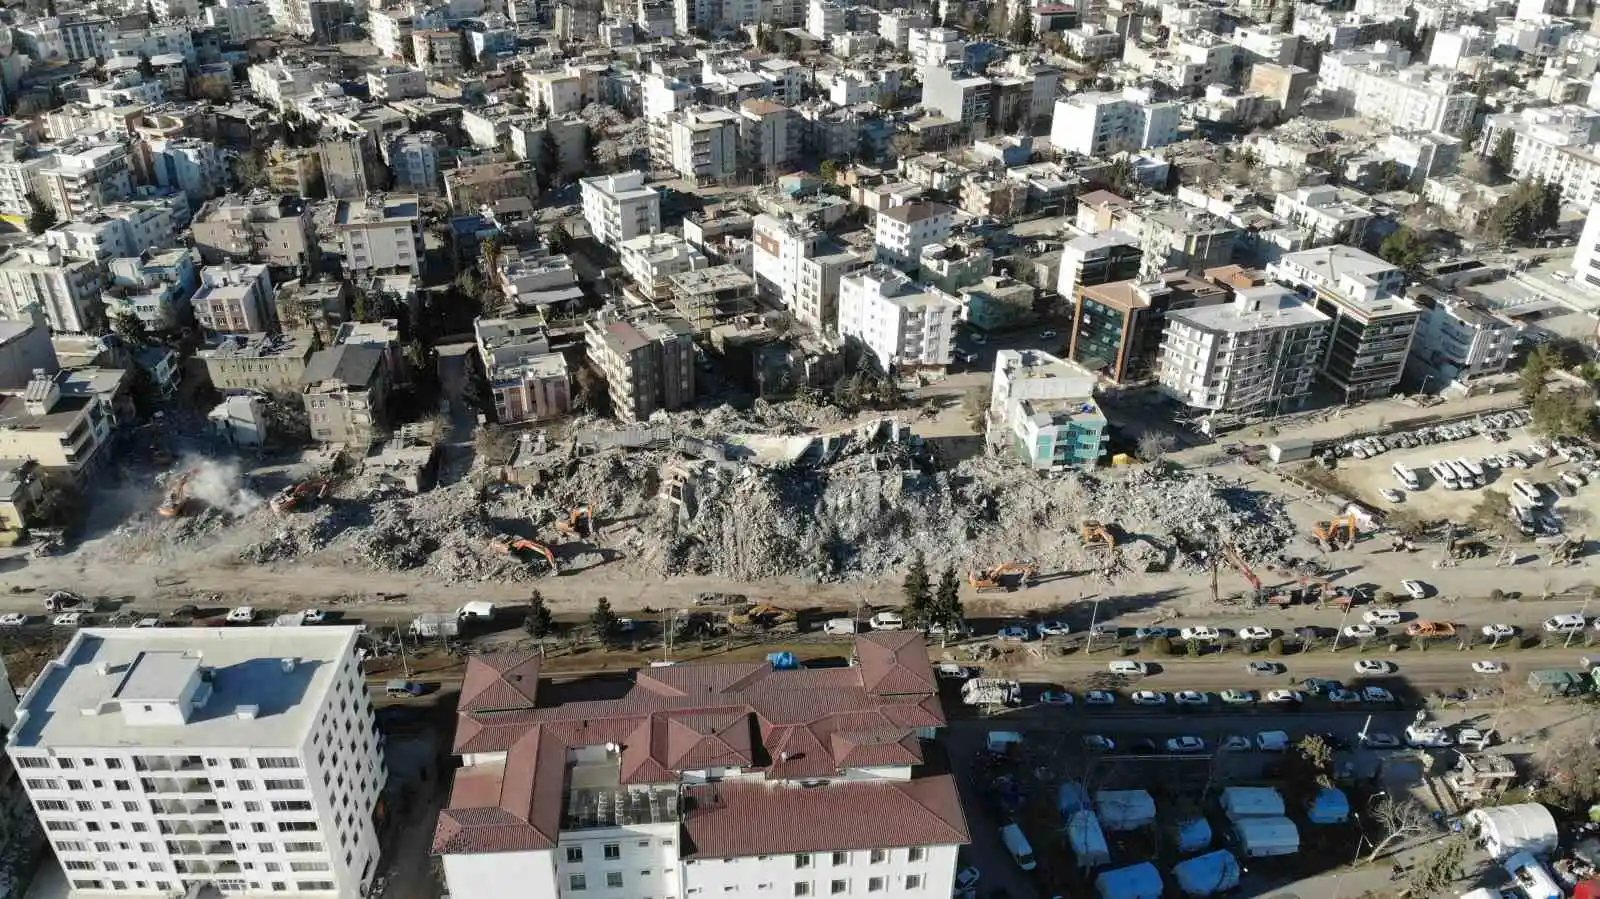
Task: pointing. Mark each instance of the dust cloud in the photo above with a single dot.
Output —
(221, 486)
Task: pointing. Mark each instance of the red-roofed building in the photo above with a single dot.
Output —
(697, 780)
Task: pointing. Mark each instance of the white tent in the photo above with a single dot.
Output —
(1505, 830)
(1331, 806)
(1214, 872)
(1193, 835)
(1251, 802)
(1266, 836)
(1141, 881)
(1125, 809)
(1088, 840)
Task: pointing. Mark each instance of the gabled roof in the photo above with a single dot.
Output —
(514, 806)
(895, 662)
(501, 683)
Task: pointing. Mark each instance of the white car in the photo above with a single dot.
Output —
(1474, 737)
(1392, 495)
(1285, 696)
(1149, 697)
(1131, 669)
(1053, 629)
(1097, 743)
(1380, 616)
(1190, 697)
(1186, 744)
(1099, 697)
(1499, 631)
(13, 619)
(1374, 666)
(1376, 694)
(1238, 697)
(1360, 631)
(1047, 334)
(147, 622)
(68, 619)
(1263, 667)
(1414, 589)
(1255, 633)
(1014, 633)
(316, 616)
(241, 615)
(1485, 666)
(1199, 633)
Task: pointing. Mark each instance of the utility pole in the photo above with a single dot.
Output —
(1340, 632)
(1093, 618)
(1584, 614)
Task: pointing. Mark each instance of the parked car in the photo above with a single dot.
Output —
(1014, 633)
(1238, 697)
(1055, 696)
(1053, 628)
(1099, 697)
(1415, 589)
(1381, 616)
(1129, 668)
(241, 615)
(1200, 633)
(1255, 633)
(1098, 743)
(1235, 743)
(1190, 697)
(68, 619)
(1149, 697)
(313, 616)
(1285, 696)
(13, 619)
(1360, 631)
(1378, 740)
(1376, 694)
(1186, 744)
(1259, 668)
(1485, 666)
(1374, 666)
(1151, 633)
(1343, 697)
(1499, 631)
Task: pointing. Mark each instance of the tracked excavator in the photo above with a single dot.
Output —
(1340, 533)
(1094, 533)
(1005, 576)
(578, 524)
(300, 495)
(177, 498)
(525, 550)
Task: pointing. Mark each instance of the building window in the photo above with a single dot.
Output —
(614, 880)
(875, 884)
(613, 851)
(802, 888)
(879, 856)
(839, 887)
(577, 883)
(917, 854)
(913, 881)
(574, 854)
(841, 858)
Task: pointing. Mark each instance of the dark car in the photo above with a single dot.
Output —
(1308, 632)
(1317, 686)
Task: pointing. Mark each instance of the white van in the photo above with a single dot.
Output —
(1001, 741)
(1272, 741)
(1445, 475)
(1475, 467)
(1017, 844)
(1527, 491)
(887, 621)
(1406, 477)
(1565, 623)
(1463, 474)
(839, 626)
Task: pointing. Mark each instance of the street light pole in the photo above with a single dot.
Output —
(1340, 632)
(1094, 617)
(1584, 614)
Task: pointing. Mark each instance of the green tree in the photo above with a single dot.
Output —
(947, 611)
(1434, 875)
(130, 328)
(917, 592)
(539, 623)
(604, 621)
(42, 216)
(1021, 31)
(1535, 372)
(829, 171)
(1405, 249)
(1564, 413)
(1504, 154)
(557, 240)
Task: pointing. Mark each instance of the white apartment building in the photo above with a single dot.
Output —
(1373, 321)
(157, 40)
(396, 83)
(1324, 212)
(70, 37)
(902, 323)
(798, 266)
(381, 234)
(19, 176)
(1459, 341)
(244, 760)
(414, 160)
(67, 289)
(902, 231)
(620, 207)
(391, 31)
(769, 135)
(894, 26)
(678, 789)
(826, 18)
(235, 299)
(1042, 409)
(278, 83)
(1554, 144)
(238, 21)
(1100, 123)
(438, 53)
(82, 178)
(652, 259)
(122, 229)
(1413, 98)
(1586, 259)
(1465, 49)
(188, 164)
(934, 47)
(1257, 355)
(697, 143)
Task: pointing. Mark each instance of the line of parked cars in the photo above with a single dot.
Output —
(1493, 426)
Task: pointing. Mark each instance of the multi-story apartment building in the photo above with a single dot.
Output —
(388, 83)
(902, 231)
(1376, 84)
(527, 380)
(238, 21)
(652, 259)
(155, 286)
(648, 362)
(620, 207)
(259, 362)
(671, 789)
(414, 160)
(1257, 355)
(901, 323)
(82, 177)
(20, 165)
(1042, 409)
(346, 393)
(235, 299)
(169, 761)
(769, 135)
(1459, 341)
(71, 37)
(381, 234)
(391, 31)
(280, 82)
(1118, 325)
(67, 289)
(1552, 144)
(1586, 259)
(188, 164)
(1324, 213)
(438, 54)
(1097, 258)
(1373, 323)
(697, 143)
(707, 297)
(1101, 124)
(65, 432)
(277, 231)
(798, 265)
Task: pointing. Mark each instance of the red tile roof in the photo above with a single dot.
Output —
(739, 818)
(810, 723)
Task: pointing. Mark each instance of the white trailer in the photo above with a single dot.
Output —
(991, 691)
(430, 625)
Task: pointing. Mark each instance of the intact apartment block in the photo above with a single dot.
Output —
(699, 780)
(620, 207)
(1373, 323)
(648, 362)
(1042, 409)
(67, 433)
(1256, 355)
(902, 324)
(245, 761)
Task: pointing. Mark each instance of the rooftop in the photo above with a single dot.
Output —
(379, 209)
(351, 364)
(1253, 308)
(260, 346)
(100, 669)
(915, 212)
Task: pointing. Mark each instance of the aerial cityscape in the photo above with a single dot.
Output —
(799, 449)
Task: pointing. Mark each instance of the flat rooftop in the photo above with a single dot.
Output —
(244, 667)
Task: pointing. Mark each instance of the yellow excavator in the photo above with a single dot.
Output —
(177, 498)
(524, 549)
(1093, 532)
(579, 524)
(1328, 533)
(761, 615)
(1004, 576)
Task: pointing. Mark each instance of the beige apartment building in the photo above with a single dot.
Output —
(346, 393)
(267, 362)
(648, 363)
(276, 231)
(65, 434)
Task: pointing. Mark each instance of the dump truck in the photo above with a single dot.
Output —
(1558, 682)
(991, 691)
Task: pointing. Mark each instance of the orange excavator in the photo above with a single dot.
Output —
(1233, 557)
(1004, 576)
(1093, 532)
(1327, 533)
(579, 524)
(172, 505)
(296, 496)
(524, 548)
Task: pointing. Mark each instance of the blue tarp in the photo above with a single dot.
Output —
(1141, 881)
(1330, 807)
(1194, 835)
(1203, 875)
